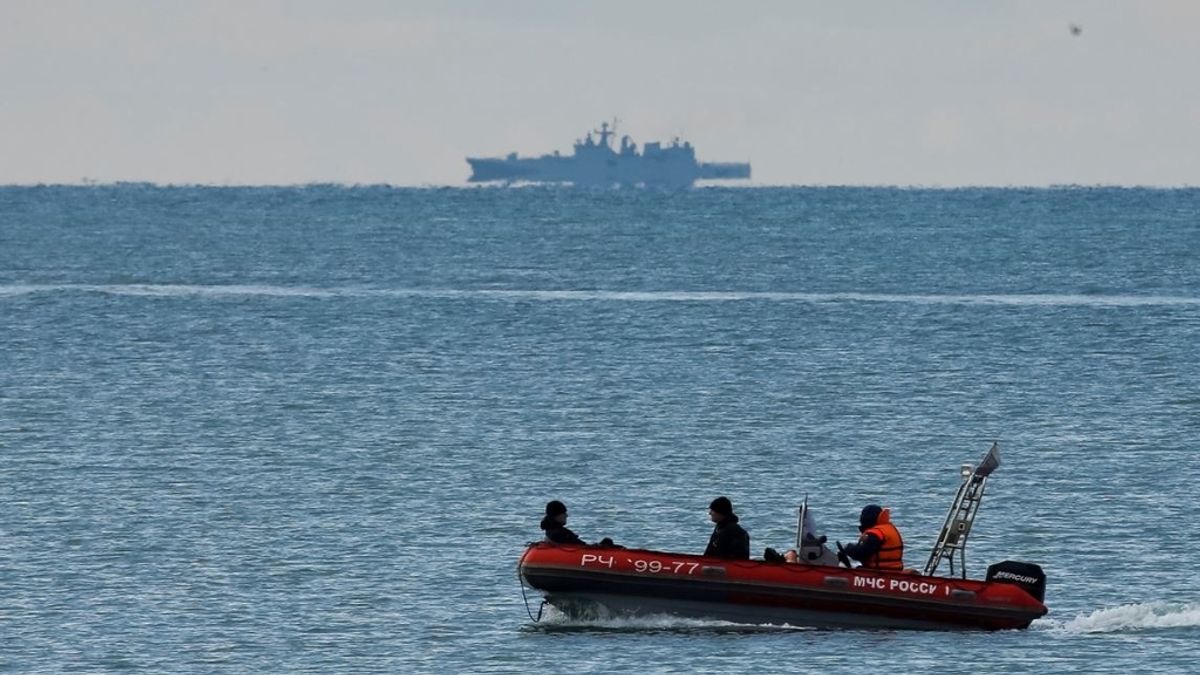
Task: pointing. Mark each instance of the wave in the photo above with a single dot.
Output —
(169, 290)
(1135, 617)
(1121, 619)
(555, 621)
(219, 290)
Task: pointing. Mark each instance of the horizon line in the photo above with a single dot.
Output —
(708, 185)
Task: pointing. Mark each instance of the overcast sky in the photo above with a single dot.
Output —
(918, 92)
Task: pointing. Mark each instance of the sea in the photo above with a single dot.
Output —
(311, 429)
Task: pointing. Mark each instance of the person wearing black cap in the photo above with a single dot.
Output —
(728, 539)
(557, 532)
(555, 525)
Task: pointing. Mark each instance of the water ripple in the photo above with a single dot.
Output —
(223, 290)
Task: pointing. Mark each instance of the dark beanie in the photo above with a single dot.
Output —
(869, 515)
(555, 507)
(722, 506)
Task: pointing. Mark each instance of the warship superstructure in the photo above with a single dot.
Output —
(595, 163)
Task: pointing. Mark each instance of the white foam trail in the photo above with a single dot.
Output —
(1019, 300)
(1135, 617)
(555, 619)
(656, 622)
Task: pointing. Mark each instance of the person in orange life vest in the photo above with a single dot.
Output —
(555, 525)
(728, 539)
(879, 546)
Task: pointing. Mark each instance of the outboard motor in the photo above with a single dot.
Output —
(1026, 575)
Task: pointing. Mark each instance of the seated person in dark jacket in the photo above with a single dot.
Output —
(555, 525)
(728, 539)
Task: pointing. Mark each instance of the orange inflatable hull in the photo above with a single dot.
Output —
(591, 581)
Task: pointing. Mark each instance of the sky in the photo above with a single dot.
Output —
(875, 92)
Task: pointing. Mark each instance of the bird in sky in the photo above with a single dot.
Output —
(1076, 29)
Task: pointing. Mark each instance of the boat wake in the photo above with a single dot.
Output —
(1121, 619)
(1135, 617)
(555, 621)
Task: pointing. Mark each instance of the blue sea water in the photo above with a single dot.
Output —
(311, 429)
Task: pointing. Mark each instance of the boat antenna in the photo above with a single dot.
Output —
(800, 513)
(952, 542)
(605, 131)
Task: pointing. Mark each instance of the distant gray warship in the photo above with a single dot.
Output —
(597, 164)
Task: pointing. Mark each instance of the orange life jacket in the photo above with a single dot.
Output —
(890, 555)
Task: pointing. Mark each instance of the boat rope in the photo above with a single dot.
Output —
(524, 597)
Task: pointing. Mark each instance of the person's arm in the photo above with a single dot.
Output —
(564, 535)
(743, 545)
(732, 544)
(866, 547)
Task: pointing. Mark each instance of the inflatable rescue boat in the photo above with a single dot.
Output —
(595, 581)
